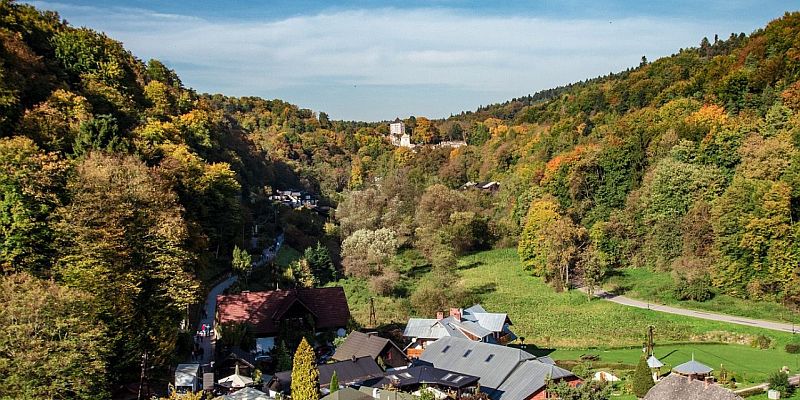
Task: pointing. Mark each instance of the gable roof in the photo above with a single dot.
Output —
(676, 387)
(425, 375)
(264, 310)
(349, 371)
(424, 328)
(505, 372)
(347, 393)
(475, 320)
(359, 344)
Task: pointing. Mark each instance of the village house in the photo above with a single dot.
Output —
(506, 373)
(473, 323)
(350, 372)
(490, 187)
(295, 198)
(382, 350)
(412, 379)
(315, 310)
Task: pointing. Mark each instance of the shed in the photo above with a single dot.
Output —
(187, 378)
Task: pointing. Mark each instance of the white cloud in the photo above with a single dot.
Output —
(503, 56)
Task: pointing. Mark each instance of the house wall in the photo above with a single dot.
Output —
(393, 358)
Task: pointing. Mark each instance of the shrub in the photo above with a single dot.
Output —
(697, 289)
(779, 381)
(761, 342)
(793, 348)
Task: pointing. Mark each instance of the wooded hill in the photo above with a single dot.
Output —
(123, 193)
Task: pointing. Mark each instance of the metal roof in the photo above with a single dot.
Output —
(504, 372)
(653, 362)
(530, 377)
(693, 367)
(425, 375)
(247, 394)
(428, 328)
(491, 321)
(186, 374)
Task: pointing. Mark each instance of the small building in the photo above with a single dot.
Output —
(349, 372)
(235, 381)
(415, 378)
(187, 378)
(314, 309)
(473, 323)
(655, 366)
(506, 373)
(359, 344)
(677, 387)
(605, 376)
(489, 187)
(693, 369)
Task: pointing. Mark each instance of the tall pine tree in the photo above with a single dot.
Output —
(305, 375)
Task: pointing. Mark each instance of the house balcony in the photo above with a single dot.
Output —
(506, 338)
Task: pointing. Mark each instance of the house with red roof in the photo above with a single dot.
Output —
(269, 313)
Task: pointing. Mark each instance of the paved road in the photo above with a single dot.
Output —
(776, 326)
(207, 343)
(794, 381)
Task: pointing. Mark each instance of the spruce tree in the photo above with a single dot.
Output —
(284, 359)
(642, 379)
(334, 386)
(305, 375)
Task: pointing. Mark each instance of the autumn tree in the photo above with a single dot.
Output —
(31, 186)
(53, 342)
(305, 375)
(425, 131)
(122, 239)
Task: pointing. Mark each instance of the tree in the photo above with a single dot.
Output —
(305, 375)
(241, 263)
(283, 360)
(586, 391)
(31, 187)
(321, 264)
(303, 274)
(122, 239)
(366, 252)
(425, 131)
(642, 378)
(334, 386)
(52, 341)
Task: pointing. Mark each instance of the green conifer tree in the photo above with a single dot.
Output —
(642, 379)
(334, 386)
(305, 375)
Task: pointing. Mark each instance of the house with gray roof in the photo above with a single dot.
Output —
(359, 344)
(505, 373)
(474, 323)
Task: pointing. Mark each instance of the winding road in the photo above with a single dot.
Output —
(627, 301)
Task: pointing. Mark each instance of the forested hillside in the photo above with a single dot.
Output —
(123, 193)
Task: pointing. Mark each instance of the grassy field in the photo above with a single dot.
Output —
(287, 255)
(568, 325)
(641, 283)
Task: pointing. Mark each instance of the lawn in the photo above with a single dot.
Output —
(575, 325)
(657, 287)
(287, 255)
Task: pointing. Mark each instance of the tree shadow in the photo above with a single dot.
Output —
(475, 294)
(471, 265)
(418, 270)
(533, 349)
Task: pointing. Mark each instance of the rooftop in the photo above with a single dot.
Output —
(676, 387)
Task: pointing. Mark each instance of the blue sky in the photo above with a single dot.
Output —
(374, 60)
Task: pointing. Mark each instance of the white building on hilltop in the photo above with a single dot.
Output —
(398, 135)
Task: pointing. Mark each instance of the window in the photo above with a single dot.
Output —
(490, 357)
(444, 350)
(466, 353)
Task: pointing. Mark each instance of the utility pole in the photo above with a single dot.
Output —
(373, 320)
(142, 376)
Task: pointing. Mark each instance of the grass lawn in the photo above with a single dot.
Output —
(287, 255)
(575, 325)
(763, 396)
(641, 283)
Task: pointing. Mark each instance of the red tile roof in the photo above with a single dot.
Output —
(264, 309)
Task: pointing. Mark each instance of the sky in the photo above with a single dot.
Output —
(376, 60)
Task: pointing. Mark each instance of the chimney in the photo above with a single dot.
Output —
(439, 315)
(455, 313)
(708, 381)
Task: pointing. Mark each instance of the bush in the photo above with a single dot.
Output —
(761, 342)
(779, 381)
(793, 348)
(697, 289)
